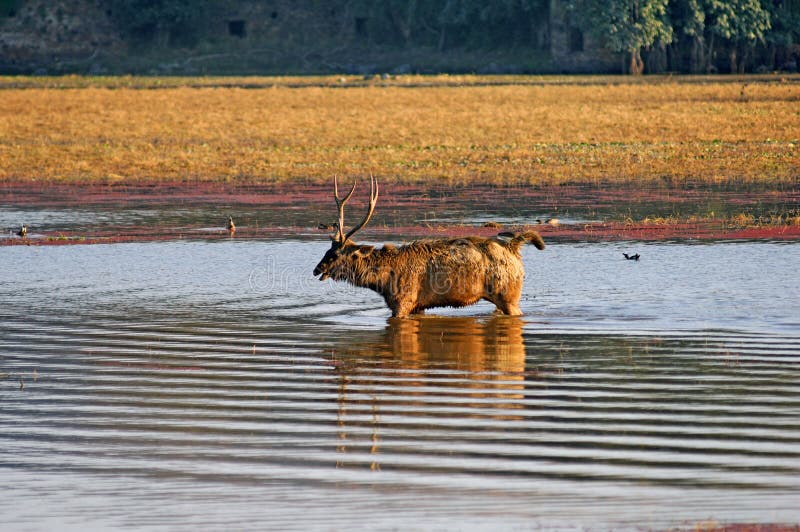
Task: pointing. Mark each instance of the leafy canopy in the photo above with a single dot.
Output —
(624, 25)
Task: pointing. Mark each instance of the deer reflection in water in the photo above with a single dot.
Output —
(480, 347)
(474, 368)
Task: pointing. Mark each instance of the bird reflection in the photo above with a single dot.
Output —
(473, 368)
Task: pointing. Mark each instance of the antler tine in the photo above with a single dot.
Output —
(339, 201)
(373, 200)
(340, 207)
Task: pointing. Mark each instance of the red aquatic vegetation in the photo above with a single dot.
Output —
(714, 526)
(400, 200)
(565, 196)
(591, 232)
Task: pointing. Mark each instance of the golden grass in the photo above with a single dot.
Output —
(549, 133)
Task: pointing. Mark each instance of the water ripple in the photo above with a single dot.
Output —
(232, 404)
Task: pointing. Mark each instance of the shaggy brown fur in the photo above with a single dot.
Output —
(435, 273)
(430, 273)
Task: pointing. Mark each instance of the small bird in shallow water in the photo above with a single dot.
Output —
(631, 257)
(231, 225)
(23, 231)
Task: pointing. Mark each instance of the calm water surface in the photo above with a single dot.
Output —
(217, 384)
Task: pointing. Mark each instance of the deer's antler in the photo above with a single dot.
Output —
(340, 236)
(373, 199)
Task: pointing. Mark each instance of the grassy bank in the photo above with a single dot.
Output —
(442, 129)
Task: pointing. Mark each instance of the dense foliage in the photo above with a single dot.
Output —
(625, 25)
(8, 8)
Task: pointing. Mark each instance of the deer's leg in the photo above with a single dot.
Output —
(507, 302)
(507, 307)
(513, 310)
(401, 308)
(401, 312)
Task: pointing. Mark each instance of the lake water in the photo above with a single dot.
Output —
(217, 384)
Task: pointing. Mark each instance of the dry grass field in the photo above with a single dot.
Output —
(438, 130)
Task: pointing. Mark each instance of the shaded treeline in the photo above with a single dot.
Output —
(634, 36)
(651, 35)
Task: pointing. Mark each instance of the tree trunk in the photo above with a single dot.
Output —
(710, 55)
(636, 67)
(698, 63)
(657, 59)
(773, 57)
(404, 21)
(162, 35)
(733, 59)
(745, 60)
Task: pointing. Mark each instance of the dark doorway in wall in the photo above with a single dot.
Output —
(361, 27)
(237, 28)
(575, 39)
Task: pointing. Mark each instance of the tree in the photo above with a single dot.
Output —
(689, 20)
(736, 24)
(784, 35)
(625, 25)
(742, 23)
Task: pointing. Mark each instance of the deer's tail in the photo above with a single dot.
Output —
(515, 240)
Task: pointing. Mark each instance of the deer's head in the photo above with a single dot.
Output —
(343, 254)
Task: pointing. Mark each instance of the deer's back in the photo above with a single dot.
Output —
(460, 256)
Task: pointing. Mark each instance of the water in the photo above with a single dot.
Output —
(217, 384)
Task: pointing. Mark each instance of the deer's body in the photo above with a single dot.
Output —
(432, 273)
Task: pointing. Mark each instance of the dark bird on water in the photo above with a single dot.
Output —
(631, 257)
(231, 225)
(23, 231)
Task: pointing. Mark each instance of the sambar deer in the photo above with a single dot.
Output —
(449, 272)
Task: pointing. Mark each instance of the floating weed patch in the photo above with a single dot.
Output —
(60, 237)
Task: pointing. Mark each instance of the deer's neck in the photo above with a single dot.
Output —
(371, 272)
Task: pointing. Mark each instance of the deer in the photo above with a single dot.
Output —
(446, 272)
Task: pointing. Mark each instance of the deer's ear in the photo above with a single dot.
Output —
(363, 251)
